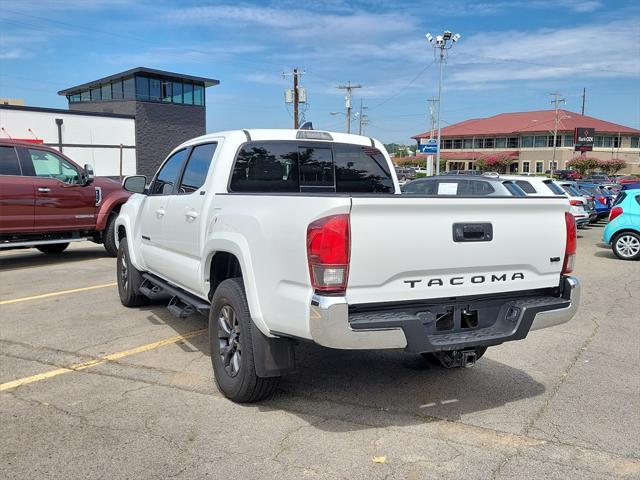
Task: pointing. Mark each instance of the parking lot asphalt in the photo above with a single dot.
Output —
(91, 390)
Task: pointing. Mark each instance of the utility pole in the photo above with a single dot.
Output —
(363, 119)
(584, 96)
(432, 115)
(444, 42)
(295, 92)
(555, 102)
(347, 101)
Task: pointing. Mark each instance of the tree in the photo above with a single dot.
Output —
(613, 166)
(494, 163)
(583, 164)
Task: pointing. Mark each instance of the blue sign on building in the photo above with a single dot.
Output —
(430, 146)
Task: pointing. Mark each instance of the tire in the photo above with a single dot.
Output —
(53, 248)
(445, 362)
(230, 339)
(109, 236)
(626, 246)
(129, 279)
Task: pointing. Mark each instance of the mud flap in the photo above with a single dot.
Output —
(273, 356)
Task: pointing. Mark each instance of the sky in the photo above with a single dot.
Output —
(511, 55)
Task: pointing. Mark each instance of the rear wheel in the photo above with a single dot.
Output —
(109, 236)
(53, 248)
(129, 279)
(230, 338)
(626, 246)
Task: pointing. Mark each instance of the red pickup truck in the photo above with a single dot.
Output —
(48, 201)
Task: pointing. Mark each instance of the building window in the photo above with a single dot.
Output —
(198, 95)
(477, 143)
(539, 167)
(635, 142)
(106, 91)
(447, 144)
(129, 88)
(567, 140)
(607, 142)
(154, 89)
(525, 167)
(468, 143)
(142, 88)
(488, 142)
(526, 141)
(167, 91)
(540, 141)
(95, 94)
(116, 90)
(85, 96)
(470, 166)
(188, 94)
(512, 142)
(74, 98)
(457, 143)
(177, 92)
(616, 142)
(501, 142)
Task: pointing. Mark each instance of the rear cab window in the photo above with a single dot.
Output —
(9, 164)
(290, 166)
(526, 186)
(556, 189)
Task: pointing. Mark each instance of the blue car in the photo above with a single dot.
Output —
(623, 230)
(602, 201)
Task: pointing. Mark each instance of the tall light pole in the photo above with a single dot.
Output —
(556, 103)
(444, 42)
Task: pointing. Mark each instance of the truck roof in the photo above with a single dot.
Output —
(262, 134)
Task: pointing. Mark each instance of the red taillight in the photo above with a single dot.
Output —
(615, 212)
(570, 248)
(576, 202)
(328, 251)
(602, 200)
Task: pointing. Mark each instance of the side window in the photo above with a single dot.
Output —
(316, 169)
(554, 188)
(361, 169)
(9, 164)
(167, 177)
(266, 167)
(526, 186)
(197, 167)
(49, 165)
(419, 187)
(474, 188)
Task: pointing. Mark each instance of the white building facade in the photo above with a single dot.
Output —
(106, 141)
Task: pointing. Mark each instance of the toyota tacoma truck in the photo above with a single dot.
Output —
(48, 201)
(282, 236)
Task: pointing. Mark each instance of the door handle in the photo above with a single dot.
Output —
(44, 189)
(160, 213)
(191, 215)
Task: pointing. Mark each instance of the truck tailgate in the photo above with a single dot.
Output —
(403, 248)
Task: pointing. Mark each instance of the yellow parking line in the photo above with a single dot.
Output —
(55, 294)
(99, 361)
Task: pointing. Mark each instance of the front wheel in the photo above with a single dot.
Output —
(230, 338)
(129, 279)
(109, 236)
(626, 246)
(53, 248)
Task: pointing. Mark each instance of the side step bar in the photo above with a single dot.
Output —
(182, 304)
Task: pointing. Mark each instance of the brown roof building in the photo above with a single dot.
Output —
(528, 139)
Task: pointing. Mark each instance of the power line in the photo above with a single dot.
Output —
(404, 88)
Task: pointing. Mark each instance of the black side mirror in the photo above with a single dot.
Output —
(135, 183)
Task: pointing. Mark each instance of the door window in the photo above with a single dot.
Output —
(49, 165)
(195, 173)
(9, 164)
(168, 175)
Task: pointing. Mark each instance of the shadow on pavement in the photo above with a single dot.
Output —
(30, 257)
(402, 388)
(605, 254)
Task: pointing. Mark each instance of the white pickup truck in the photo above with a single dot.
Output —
(283, 236)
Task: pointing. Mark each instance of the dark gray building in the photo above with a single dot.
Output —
(169, 108)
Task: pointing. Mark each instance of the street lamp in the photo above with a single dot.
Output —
(444, 42)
